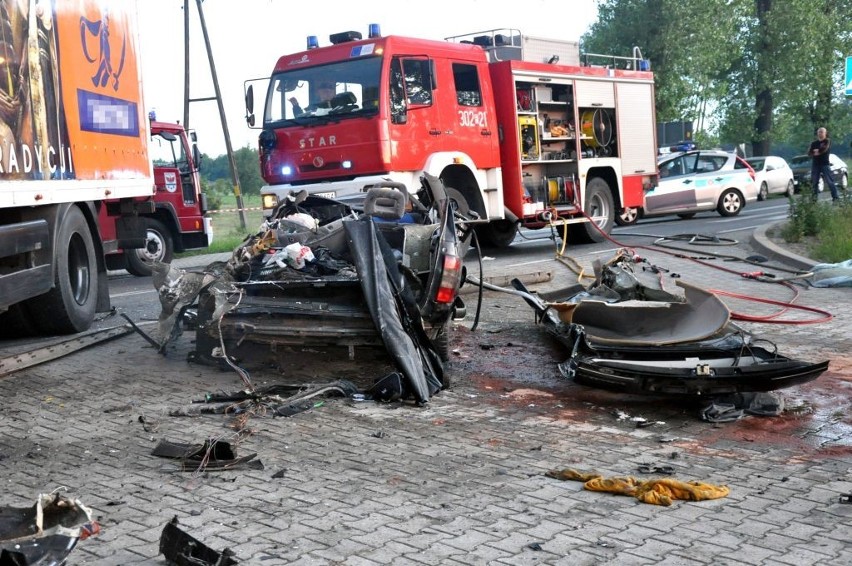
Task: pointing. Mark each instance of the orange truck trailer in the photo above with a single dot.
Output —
(523, 131)
(73, 146)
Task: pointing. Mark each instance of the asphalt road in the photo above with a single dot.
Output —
(531, 250)
(461, 481)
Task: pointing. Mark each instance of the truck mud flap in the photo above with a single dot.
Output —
(394, 310)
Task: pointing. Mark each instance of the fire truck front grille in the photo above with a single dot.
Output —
(311, 168)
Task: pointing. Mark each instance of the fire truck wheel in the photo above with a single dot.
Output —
(498, 233)
(628, 216)
(70, 306)
(158, 247)
(600, 207)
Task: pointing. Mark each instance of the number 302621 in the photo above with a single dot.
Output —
(472, 118)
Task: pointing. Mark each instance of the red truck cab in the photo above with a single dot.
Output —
(179, 221)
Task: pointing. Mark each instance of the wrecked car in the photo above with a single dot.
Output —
(45, 532)
(630, 335)
(323, 274)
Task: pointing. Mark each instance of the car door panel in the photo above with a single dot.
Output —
(709, 181)
(675, 191)
(671, 195)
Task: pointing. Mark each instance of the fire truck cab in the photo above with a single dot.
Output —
(519, 129)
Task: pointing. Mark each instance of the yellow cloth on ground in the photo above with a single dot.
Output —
(663, 491)
(655, 492)
(619, 485)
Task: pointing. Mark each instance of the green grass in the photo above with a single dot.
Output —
(835, 235)
(825, 224)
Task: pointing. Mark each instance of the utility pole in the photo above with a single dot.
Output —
(218, 98)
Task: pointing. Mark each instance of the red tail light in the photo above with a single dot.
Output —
(449, 280)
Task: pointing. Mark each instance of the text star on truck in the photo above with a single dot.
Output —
(73, 143)
(519, 131)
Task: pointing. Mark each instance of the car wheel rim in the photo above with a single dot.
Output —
(154, 249)
(598, 211)
(732, 202)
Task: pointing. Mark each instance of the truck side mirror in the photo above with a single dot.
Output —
(196, 156)
(250, 105)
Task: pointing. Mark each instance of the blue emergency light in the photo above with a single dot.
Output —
(375, 31)
(313, 42)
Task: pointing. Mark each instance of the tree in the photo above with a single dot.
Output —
(684, 42)
(748, 70)
(248, 170)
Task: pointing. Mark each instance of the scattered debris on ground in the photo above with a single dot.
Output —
(46, 532)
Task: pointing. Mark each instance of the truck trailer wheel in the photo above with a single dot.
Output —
(70, 306)
(158, 247)
(600, 207)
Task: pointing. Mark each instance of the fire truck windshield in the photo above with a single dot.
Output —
(342, 89)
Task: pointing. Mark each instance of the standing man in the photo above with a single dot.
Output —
(819, 151)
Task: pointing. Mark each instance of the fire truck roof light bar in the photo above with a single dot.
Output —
(344, 37)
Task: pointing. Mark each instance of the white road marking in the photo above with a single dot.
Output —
(131, 293)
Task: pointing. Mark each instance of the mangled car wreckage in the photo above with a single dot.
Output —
(322, 274)
(630, 335)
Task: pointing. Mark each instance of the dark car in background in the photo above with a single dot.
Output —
(801, 166)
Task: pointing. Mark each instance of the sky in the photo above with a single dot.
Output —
(248, 36)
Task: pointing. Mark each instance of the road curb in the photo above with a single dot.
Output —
(761, 242)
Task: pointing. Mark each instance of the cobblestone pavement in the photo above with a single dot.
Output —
(461, 481)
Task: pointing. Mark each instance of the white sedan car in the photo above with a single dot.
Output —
(772, 175)
(700, 180)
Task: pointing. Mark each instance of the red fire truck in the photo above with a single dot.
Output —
(521, 131)
(178, 221)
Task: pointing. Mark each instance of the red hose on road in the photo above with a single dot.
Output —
(770, 318)
(826, 316)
